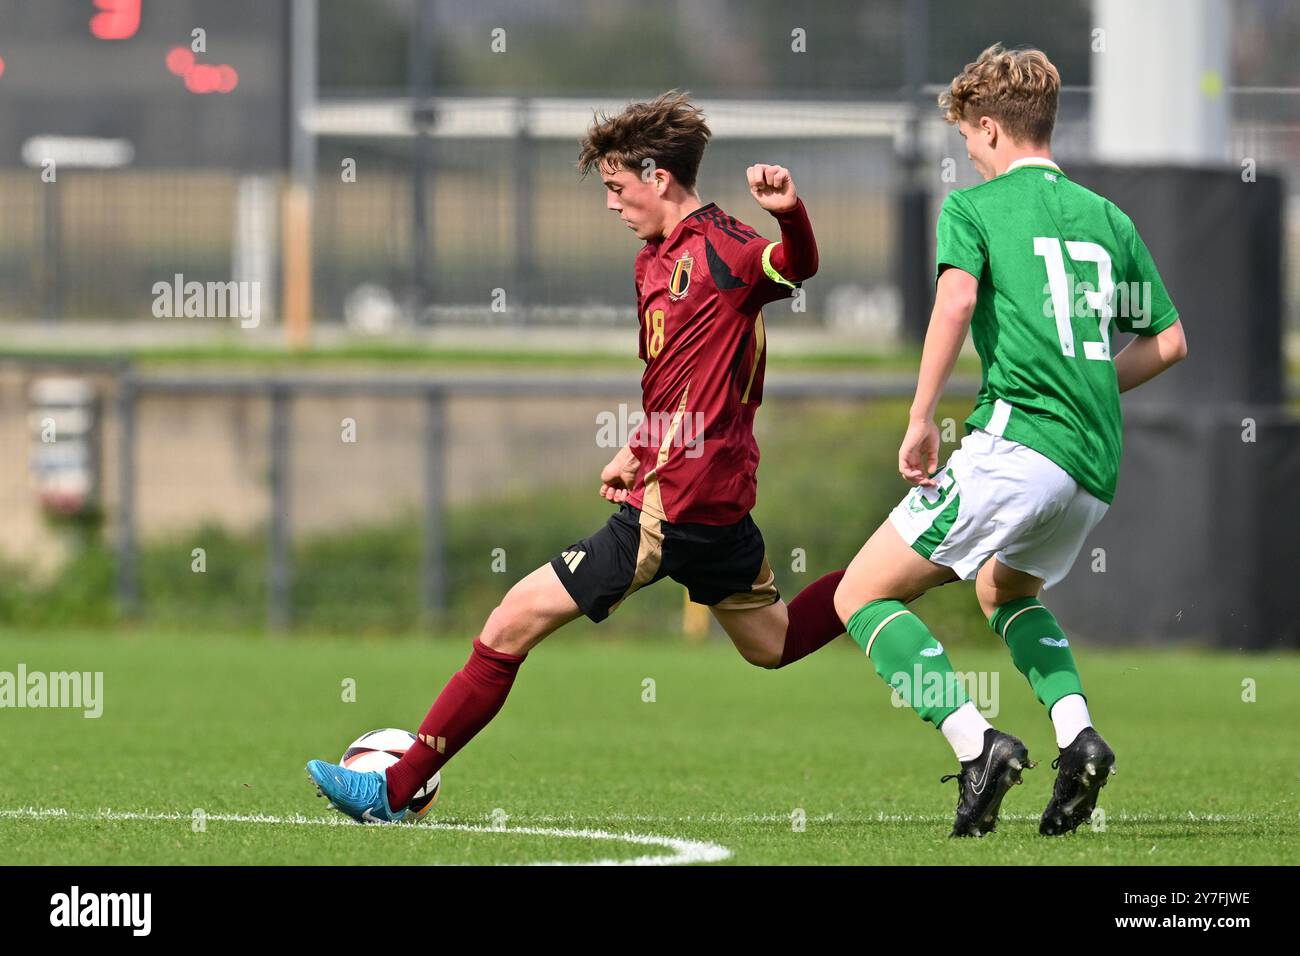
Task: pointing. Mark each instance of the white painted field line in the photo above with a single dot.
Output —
(726, 819)
(683, 851)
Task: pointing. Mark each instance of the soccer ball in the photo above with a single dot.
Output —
(379, 750)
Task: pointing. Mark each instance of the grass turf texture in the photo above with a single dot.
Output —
(725, 754)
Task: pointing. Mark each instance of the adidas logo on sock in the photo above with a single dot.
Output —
(572, 559)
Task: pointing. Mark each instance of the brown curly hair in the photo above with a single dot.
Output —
(1018, 88)
(668, 129)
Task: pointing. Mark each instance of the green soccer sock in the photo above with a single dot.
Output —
(908, 658)
(1039, 649)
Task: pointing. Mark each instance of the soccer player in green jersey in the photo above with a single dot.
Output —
(1041, 271)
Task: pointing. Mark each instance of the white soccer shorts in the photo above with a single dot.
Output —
(997, 497)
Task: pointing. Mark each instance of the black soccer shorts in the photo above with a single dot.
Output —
(720, 565)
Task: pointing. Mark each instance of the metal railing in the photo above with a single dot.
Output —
(433, 392)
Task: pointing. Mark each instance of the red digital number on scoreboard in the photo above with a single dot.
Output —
(116, 20)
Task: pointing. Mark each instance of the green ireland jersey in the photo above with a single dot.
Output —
(1060, 269)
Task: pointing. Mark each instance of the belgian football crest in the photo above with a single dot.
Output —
(680, 280)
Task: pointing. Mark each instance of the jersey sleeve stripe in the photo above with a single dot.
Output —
(721, 224)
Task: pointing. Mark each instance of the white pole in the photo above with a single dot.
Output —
(256, 227)
(1160, 81)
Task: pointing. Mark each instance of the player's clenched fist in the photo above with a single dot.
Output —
(772, 187)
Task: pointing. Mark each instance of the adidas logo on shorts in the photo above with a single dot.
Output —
(572, 559)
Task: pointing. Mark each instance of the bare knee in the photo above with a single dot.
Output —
(847, 601)
(851, 597)
(515, 626)
(992, 597)
(497, 627)
(765, 657)
(988, 601)
(532, 609)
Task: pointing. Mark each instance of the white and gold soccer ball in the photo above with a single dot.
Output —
(379, 750)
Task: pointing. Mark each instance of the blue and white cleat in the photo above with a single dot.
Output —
(362, 796)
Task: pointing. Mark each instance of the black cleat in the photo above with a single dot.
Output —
(1084, 768)
(985, 780)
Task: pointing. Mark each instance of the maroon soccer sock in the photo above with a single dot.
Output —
(470, 700)
(813, 622)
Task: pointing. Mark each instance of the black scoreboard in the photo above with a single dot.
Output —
(197, 83)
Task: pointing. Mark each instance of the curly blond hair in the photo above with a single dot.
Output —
(1018, 88)
(668, 129)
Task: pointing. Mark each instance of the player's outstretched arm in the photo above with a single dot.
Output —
(1147, 356)
(772, 187)
(954, 304)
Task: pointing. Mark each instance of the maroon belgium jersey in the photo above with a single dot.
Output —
(700, 294)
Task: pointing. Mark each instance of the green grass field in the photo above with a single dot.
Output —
(725, 757)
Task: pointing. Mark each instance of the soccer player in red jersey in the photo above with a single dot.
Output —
(685, 482)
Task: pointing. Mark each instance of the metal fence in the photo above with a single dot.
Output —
(513, 234)
(418, 442)
(373, 504)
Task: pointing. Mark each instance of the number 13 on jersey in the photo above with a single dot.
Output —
(1100, 300)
